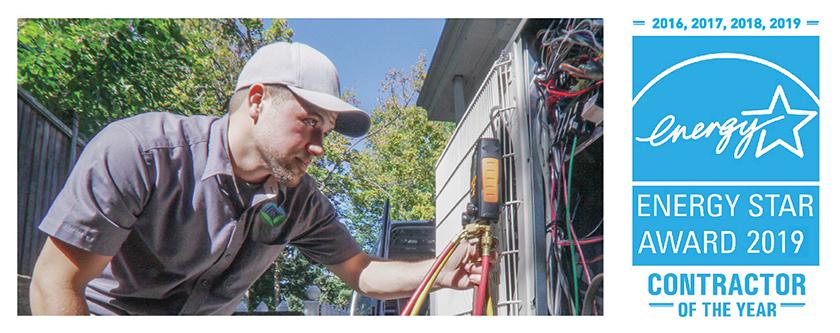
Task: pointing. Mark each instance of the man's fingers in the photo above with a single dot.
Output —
(469, 253)
(473, 268)
(475, 279)
(466, 270)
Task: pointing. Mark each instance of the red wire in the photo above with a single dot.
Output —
(553, 187)
(585, 241)
(567, 94)
(426, 279)
(482, 286)
(550, 90)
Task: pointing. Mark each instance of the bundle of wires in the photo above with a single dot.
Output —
(569, 74)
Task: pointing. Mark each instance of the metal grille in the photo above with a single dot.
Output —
(489, 115)
(508, 269)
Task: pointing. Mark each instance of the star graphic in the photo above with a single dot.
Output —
(780, 94)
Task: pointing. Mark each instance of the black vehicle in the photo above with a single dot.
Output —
(399, 240)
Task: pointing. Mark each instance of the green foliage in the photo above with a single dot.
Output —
(108, 69)
(333, 290)
(287, 280)
(401, 152)
(396, 162)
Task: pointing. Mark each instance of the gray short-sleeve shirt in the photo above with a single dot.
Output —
(156, 192)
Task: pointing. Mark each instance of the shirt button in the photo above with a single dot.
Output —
(205, 283)
(227, 256)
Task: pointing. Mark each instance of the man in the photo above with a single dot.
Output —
(166, 214)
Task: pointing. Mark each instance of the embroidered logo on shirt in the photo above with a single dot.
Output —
(272, 215)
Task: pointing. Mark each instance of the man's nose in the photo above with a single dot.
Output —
(316, 148)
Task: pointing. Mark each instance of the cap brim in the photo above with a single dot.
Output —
(351, 121)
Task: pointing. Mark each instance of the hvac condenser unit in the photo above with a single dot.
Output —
(542, 99)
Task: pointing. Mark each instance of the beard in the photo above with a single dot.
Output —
(286, 173)
(285, 170)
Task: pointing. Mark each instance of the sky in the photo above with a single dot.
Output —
(363, 50)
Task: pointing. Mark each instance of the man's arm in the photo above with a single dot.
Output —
(384, 279)
(60, 276)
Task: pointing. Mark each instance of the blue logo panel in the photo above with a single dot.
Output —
(726, 108)
(725, 225)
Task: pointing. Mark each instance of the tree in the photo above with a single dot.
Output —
(397, 161)
(108, 69)
(287, 280)
(221, 48)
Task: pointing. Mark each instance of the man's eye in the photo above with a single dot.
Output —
(310, 122)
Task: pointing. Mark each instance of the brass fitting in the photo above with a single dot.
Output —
(483, 234)
(486, 242)
(475, 230)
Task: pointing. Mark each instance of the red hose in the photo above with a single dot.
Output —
(482, 286)
(435, 265)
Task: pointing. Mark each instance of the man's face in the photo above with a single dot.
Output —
(290, 134)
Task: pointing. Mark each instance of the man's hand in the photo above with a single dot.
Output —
(384, 279)
(463, 269)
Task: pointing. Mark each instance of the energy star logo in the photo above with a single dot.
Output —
(725, 108)
(779, 95)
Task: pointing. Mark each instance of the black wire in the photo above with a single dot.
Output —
(596, 228)
(560, 113)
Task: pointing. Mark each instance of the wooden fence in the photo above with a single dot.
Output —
(47, 151)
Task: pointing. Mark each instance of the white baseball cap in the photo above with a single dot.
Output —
(310, 75)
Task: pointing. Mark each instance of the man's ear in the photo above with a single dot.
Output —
(256, 100)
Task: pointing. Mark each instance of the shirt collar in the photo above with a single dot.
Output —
(218, 158)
